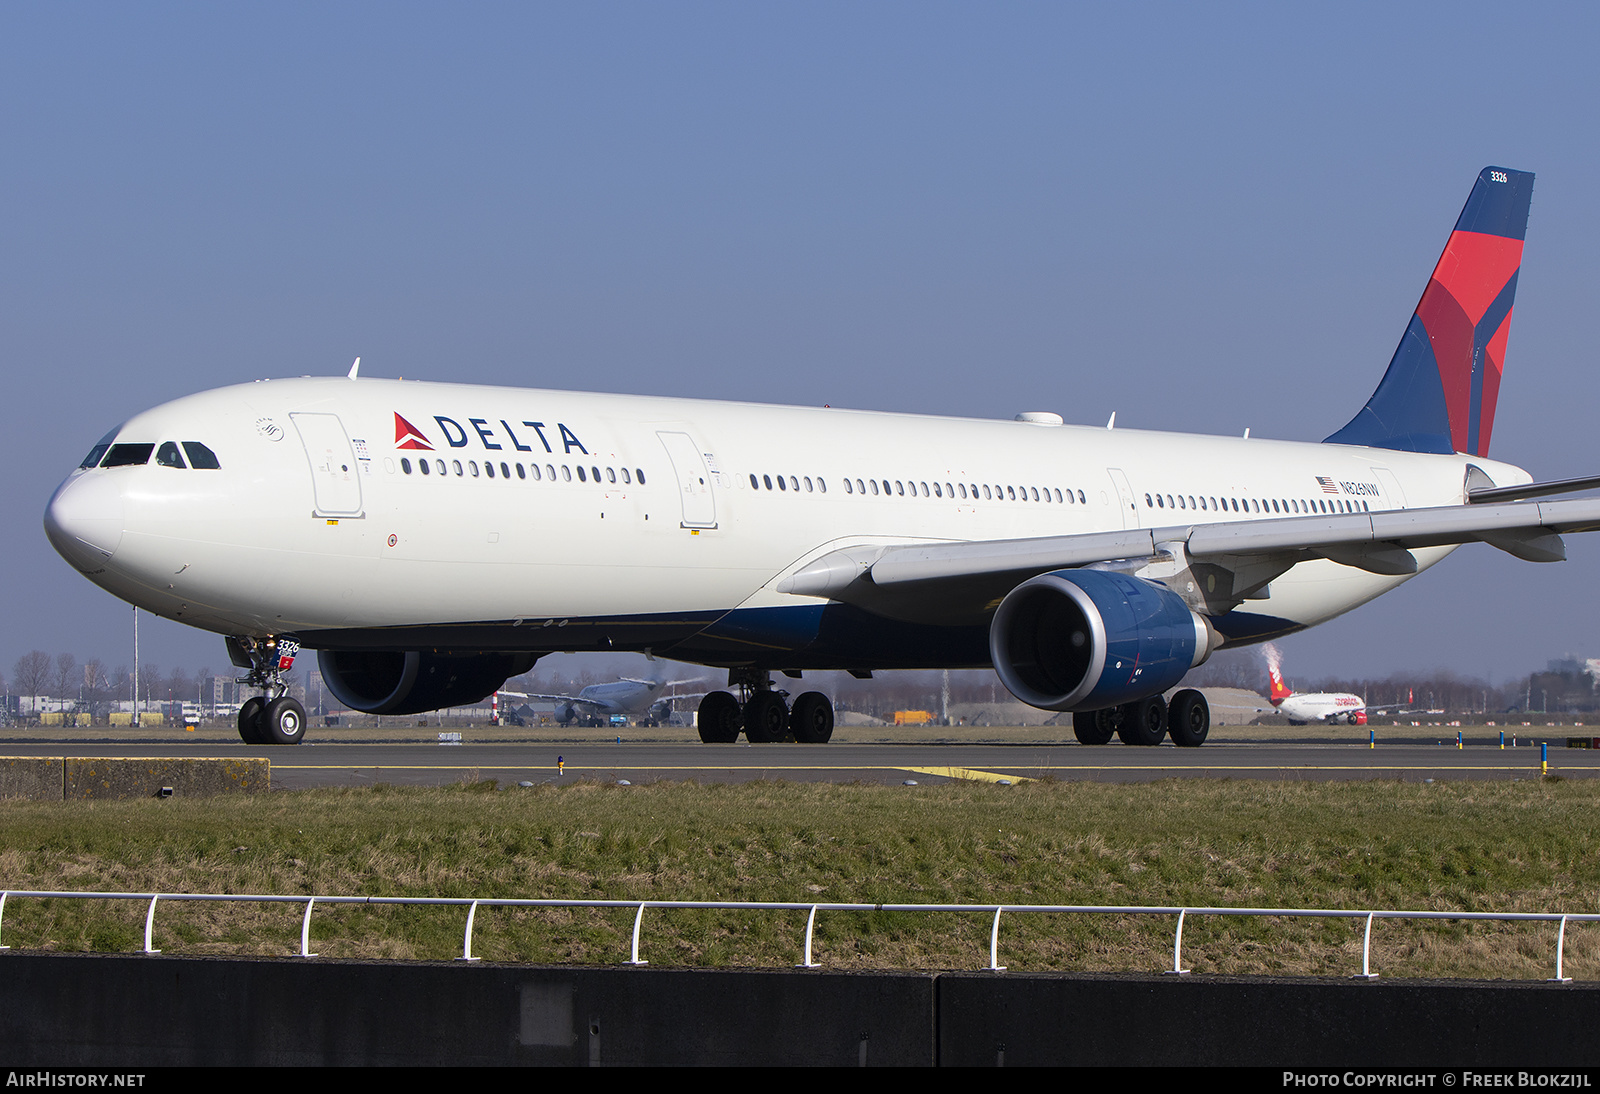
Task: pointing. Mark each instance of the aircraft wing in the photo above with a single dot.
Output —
(680, 695)
(1228, 562)
(560, 699)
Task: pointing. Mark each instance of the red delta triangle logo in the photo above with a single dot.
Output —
(407, 435)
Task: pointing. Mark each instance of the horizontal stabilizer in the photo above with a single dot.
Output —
(1532, 490)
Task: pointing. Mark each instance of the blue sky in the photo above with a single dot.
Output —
(1203, 217)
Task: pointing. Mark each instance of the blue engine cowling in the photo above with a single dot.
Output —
(1090, 639)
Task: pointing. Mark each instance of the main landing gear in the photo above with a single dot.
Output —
(765, 715)
(1187, 720)
(275, 718)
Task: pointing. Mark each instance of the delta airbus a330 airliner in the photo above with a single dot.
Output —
(430, 540)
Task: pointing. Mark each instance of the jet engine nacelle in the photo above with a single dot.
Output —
(412, 681)
(1091, 639)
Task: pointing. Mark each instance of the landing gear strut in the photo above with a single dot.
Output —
(275, 718)
(765, 715)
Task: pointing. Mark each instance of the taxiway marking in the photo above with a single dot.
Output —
(968, 773)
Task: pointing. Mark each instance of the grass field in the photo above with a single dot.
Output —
(1466, 846)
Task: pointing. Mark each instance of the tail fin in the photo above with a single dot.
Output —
(1279, 691)
(1440, 391)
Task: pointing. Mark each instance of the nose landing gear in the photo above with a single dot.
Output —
(275, 718)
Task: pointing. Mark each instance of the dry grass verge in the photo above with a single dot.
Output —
(1525, 846)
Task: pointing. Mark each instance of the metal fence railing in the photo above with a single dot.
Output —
(639, 906)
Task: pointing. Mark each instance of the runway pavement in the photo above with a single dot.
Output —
(367, 757)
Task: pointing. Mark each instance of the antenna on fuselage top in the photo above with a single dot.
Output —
(355, 368)
(1112, 423)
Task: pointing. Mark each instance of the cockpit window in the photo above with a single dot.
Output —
(128, 455)
(167, 456)
(100, 449)
(201, 458)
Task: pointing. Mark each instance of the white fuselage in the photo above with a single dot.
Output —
(654, 516)
(619, 697)
(1321, 707)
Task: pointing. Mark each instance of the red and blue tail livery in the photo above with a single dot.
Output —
(1440, 391)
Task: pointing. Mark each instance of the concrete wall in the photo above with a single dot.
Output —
(1184, 1020)
(73, 778)
(132, 1011)
(148, 1011)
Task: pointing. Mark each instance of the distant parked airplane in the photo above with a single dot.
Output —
(598, 703)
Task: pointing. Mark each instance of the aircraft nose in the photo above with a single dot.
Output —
(85, 520)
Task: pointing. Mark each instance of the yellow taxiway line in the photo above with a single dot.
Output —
(946, 772)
